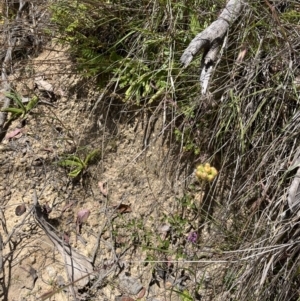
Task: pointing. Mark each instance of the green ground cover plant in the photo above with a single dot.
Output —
(78, 165)
(20, 110)
(247, 124)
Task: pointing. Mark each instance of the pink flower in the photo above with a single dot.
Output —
(192, 237)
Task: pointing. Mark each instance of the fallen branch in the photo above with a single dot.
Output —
(294, 189)
(211, 40)
(78, 267)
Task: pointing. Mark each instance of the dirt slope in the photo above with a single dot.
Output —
(144, 175)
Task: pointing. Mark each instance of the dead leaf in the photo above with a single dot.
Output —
(13, 133)
(66, 238)
(43, 85)
(123, 208)
(141, 293)
(20, 210)
(102, 189)
(241, 55)
(82, 216)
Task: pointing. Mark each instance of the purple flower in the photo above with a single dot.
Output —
(192, 237)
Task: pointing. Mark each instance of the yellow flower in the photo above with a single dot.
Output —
(213, 171)
(210, 178)
(201, 175)
(206, 172)
(207, 167)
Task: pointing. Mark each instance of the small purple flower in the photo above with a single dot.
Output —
(192, 237)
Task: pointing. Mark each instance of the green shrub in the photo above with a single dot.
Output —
(132, 45)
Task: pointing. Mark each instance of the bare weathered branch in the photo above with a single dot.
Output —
(211, 40)
(79, 268)
(293, 194)
(212, 37)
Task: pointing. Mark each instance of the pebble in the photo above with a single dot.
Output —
(37, 162)
(60, 281)
(106, 235)
(32, 259)
(26, 229)
(132, 285)
(51, 272)
(23, 160)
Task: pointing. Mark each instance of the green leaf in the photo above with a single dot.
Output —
(91, 156)
(17, 99)
(185, 296)
(74, 158)
(194, 24)
(128, 92)
(13, 111)
(70, 163)
(32, 103)
(74, 173)
(156, 95)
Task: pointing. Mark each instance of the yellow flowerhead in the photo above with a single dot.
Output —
(205, 172)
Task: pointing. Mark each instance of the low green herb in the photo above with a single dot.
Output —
(77, 165)
(20, 110)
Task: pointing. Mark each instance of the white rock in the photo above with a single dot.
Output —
(51, 272)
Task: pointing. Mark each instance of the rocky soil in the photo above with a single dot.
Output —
(131, 194)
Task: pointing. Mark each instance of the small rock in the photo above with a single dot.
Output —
(37, 162)
(20, 209)
(23, 160)
(51, 272)
(127, 257)
(106, 235)
(32, 259)
(60, 281)
(26, 229)
(132, 285)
